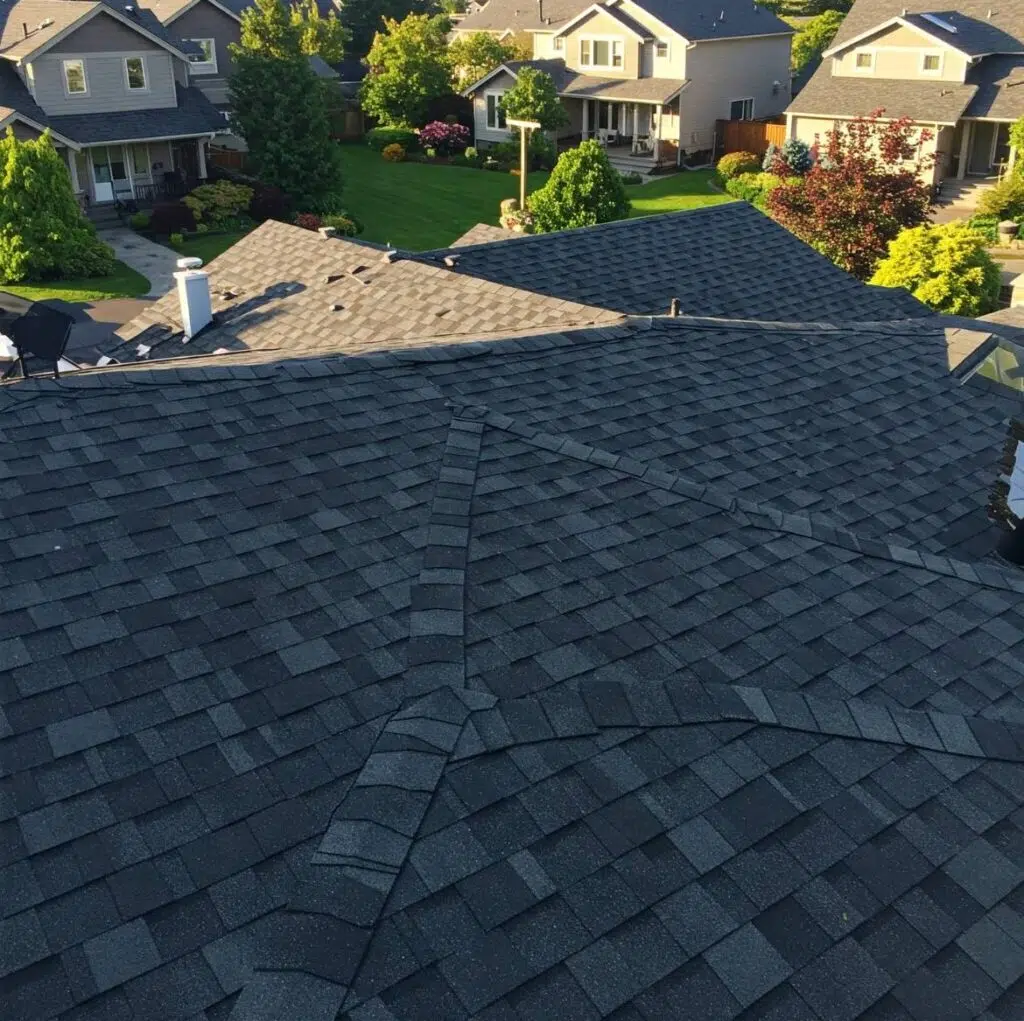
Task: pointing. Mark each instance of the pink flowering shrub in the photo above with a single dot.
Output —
(447, 139)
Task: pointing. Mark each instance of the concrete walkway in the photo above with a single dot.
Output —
(155, 262)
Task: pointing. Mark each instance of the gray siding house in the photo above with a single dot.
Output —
(114, 87)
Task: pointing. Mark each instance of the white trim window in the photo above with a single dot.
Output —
(205, 63)
(135, 74)
(596, 51)
(559, 42)
(931, 62)
(864, 61)
(661, 50)
(75, 81)
(741, 109)
(495, 111)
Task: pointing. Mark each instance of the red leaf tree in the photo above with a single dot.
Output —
(866, 186)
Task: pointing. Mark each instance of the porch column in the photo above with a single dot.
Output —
(636, 123)
(73, 168)
(965, 149)
(201, 154)
(657, 132)
(126, 155)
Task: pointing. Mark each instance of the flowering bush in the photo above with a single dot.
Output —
(733, 164)
(309, 221)
(393, 153)
(445, 138)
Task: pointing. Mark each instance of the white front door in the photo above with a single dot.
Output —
(109, 173)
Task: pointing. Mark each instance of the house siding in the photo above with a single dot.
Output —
(603, 26)
(204, 21)
(732, 69)
(103, 34)
(482, 133)
(897, 53)
(672, 66)
(105, 77)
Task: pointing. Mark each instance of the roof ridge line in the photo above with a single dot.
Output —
(793, 523)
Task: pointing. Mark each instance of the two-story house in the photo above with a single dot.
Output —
(959, 73)
(115, 89)
(648, 77)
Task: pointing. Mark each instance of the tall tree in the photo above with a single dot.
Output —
(474, 55)
(320, 36)
(813, 39)
(43, 234)
(868, 183)
(534, 98)
(408, 68)
(279, 107)
(583, 189)
(365, 18)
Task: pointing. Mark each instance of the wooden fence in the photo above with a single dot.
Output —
(227, 159)
(747, 136)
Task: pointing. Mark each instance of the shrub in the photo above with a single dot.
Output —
(1005, 199)
(344, 223)
(945, 266)
(771, 155)
(446, 138)
(583, 189)
(632, 178)
(379, 138)
(732, 164)
(393, 153)
(216, 204)
(431, 154)
(202, 228)
(471, 152)
(986, 225)
(269, 203)
(176, 238)
(139, 221)
(171, 218)
(308, 221)
(797, 156)
(540, 151)
(755, 188)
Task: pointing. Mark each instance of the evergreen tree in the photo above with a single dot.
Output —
(43, 233)
(279, 107)
(584, 189)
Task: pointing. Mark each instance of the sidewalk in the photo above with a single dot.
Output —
(155, 262)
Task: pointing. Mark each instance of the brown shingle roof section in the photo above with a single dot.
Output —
(482, 234)
(62, 13)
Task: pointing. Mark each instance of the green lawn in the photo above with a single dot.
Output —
(124, 282)
(208, 246)
(688, 190)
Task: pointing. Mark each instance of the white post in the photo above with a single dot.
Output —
(127, 157)
(636, 124)
(201, 152)
(586, 118)
(73, 168)
(657, 132)
(965, 150)
(522, 168)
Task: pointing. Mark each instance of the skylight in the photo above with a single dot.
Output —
(940, 23)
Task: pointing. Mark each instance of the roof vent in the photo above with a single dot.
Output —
(327, 232)
(390, 255)
(193, 296)
(938, 22)
(721, 15)
(131, 11)
(451, 261)
(989, 15)
(675, 308)
(46, 23)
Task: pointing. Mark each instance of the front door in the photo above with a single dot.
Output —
(109, 173)
(982, 141)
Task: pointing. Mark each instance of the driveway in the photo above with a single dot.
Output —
(156, 263)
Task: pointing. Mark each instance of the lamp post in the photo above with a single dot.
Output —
(524, 127)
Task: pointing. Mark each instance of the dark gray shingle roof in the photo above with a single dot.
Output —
(1000, 82)
(726, 260)
(573, 83)
(689, 749)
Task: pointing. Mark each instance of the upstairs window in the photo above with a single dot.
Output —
(931, 63)
(601, 52)
(741, 110)
(495, 113)
(135, 74)
(661, 50)
(206, 61)
(559, 42)
(864, 60)
(75, 83)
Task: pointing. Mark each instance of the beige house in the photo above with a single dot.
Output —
(649, 78)
(115, 89)
(959, 74)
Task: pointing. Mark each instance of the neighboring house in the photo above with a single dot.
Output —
(115, 88)
(649, 77)
(958, 73)
(458, 652)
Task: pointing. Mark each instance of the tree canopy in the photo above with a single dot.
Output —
(946, 267)
(474, 55)
(409, 67)
(583, 189)
(320, 36)
(365, 18)
(43, 233)
(533, 98)
(814, 38)
(869, 182)
(279, 106)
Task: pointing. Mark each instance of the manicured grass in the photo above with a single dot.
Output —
(208, 246)
(688, 190)
(124, 282)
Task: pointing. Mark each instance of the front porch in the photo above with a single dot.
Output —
(641, 135)
(137, 174)
(981, 148)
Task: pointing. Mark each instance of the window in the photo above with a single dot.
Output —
(135, 73)
(741, 110)
(75, 83)
(495, 114)
(205, 62)
(661, 50)
(601, 52)
(864, 60)
(140, 160)
(559, 42)
(931, 63)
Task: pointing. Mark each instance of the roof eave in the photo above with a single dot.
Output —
(16, 115)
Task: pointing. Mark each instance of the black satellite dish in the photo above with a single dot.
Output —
(36, 330)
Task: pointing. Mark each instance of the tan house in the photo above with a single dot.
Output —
(647, 77)
(959, 74)
(114, 87)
